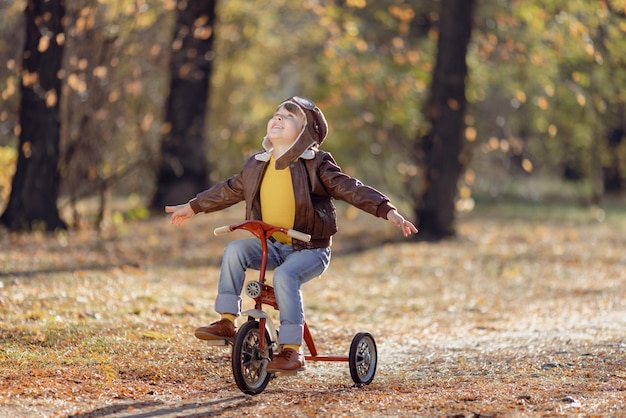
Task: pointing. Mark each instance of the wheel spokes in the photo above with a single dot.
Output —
(363, 358)
(251, 359)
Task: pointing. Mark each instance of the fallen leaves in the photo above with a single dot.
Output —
(511, 318)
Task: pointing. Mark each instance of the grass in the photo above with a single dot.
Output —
(523, 314)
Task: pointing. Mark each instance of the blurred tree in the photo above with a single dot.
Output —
(184, 168)
(12, 35)
(439, 152)
(546, 96)
(613, 174)
(33, 200)
(83, 150)
(378, 61)
(12, 38)
(114, 77)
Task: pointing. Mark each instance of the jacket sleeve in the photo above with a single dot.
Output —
(220, 196)
(351, 190)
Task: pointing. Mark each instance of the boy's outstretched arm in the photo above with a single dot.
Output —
(180, 213)
(398, 220)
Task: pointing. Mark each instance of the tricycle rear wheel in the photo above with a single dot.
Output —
(249, 361)
(363, 358)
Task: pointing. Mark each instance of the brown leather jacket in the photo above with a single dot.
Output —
(317, 179)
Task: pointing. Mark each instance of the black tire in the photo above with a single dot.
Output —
(248, 360)
(363, 358)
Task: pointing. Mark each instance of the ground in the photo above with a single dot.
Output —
(522, 314)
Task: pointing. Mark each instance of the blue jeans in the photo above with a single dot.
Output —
(291, 270)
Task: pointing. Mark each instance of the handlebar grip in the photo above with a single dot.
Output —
(222, 230)
(299, 235)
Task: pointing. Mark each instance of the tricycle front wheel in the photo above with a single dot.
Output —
(363, 358)
(249, 361)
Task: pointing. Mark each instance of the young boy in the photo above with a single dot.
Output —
(290, 184)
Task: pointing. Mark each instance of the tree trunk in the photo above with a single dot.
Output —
(35, 187)
(183, 170)
(611, 173)
(440, 150)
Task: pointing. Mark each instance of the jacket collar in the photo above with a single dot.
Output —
(308, 154)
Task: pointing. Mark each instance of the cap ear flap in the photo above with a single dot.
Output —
(319, 126)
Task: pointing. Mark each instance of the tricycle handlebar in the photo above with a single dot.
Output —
(222, 230)
(299, 235)
(260, 229)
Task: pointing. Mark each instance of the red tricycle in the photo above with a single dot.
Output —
(257, 339)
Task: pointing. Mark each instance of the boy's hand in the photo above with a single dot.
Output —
(398, 220)
(180, 213)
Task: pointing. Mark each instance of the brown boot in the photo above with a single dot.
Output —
(223, 329)
(289, 360)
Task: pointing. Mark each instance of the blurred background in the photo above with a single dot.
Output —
(111, 108)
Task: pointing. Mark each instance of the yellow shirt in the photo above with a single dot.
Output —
(278, 202)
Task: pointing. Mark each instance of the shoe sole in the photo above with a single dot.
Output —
(286, 372)
(205, 336)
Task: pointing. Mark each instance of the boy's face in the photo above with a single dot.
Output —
(285, 126)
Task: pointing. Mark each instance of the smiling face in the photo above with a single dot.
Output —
(285, 126)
